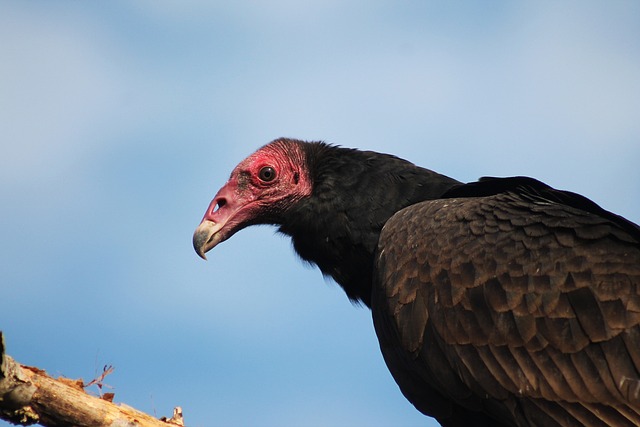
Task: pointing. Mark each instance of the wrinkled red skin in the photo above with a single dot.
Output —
(248, 198)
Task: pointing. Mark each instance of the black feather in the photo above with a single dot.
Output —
(502, 302)
(354, 194)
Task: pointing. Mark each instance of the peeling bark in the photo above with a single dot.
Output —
(29, 396)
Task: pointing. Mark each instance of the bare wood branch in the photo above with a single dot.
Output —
(29, 396)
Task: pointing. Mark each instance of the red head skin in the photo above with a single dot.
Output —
(260, 188)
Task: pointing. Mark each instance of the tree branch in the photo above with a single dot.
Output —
(29, 396)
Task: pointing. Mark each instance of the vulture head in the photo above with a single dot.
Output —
(259, 190)
(331, 201)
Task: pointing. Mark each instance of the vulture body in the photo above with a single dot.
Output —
(502, 302)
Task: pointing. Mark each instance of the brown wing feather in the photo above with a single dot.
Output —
(528, 309)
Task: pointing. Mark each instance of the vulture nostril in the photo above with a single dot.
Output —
(220, 203)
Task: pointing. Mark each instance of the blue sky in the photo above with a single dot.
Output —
(121, 119)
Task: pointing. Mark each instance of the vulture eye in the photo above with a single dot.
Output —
(267, 174)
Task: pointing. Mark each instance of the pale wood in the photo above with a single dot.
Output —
(29, 396)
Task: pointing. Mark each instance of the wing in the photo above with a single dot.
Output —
(523, 304)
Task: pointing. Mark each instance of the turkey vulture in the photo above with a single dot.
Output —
(502, 302)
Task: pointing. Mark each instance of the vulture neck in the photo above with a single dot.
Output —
(354, 194)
